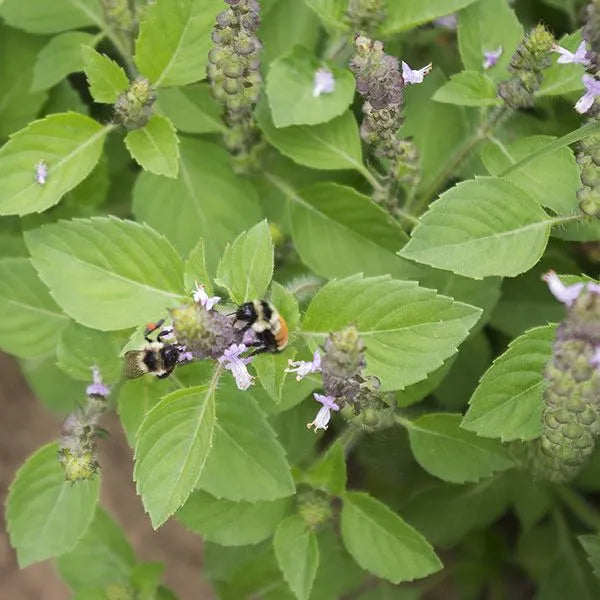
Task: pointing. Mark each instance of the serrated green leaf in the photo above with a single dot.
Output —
(191, 109)
(468, 88)
(286, 304)
(31, 321)
(562, 79)
(246, 462)
(408, 330)
(328, 473)
(102, 556)
(246, 267)
(290, 85)
(46, 514)
(232, 523)
(107, 80)
(174, 41)
(480, 228)
(333, 224)
(508, 402)
(192, 207)
(58, 58)
(80, 348)
(453, 454)
(591, 545)
(328, 146)
(381, 542)
(140, 273)
(270, 369)
(406, 15)
(297, 554)
(69, 144)
(155, 146)
(195, 269)
(173, 443)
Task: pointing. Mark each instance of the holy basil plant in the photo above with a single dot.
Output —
(333, 264)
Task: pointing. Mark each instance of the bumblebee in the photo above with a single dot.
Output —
(157, 358)
(268, 326)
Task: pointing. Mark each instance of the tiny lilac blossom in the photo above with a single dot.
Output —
(579, 57)
(201, 297)
(592, 86)
(449, 22)
(303, 368)
(41, 172)
(490, 57)
(567, 294)
(97, 388)
(414, 76)
(324, 415)
(324, 82)
(232, 360)
(185, 357)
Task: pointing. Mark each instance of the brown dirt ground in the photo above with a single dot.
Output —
(24, 426)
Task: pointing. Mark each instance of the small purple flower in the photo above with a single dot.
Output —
(185, 357)
(303, 368)
(201, 297)
(579, 57)
(592, 86)
(449, 22)
(41, 172)
(567, 294)
(414, 76)
(324, 82)
(232, 360)
(490, 57)
(97, 388)
(324, 415)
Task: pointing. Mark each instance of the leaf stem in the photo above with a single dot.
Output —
(406, 423)
(349, 437)
(366, 173)
(584, 511)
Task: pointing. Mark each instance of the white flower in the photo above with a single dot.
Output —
(324, 415)
(201, 297)
(97, 388)
(490, 57)
(41, 172)
(567, 294)
(324, 82)
(232, 360)
(414, 76)
(592, 86)
(303, 368)
(579, 57)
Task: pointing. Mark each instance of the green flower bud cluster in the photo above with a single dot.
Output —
(588, 160)
(571, 418)
(134, 107)
(527, 63)
(314, 508)
(120, 18)
(365, 15)
(235, 78)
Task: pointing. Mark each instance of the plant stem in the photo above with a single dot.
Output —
(366, 173)
(584, 511)
(349, 437)
(406, 423)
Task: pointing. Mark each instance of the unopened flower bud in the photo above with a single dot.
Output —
(343, 362)
(366, 15)
(314, 508)
(134, 107)
(588, 160)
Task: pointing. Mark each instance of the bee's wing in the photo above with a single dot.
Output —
(134, 364)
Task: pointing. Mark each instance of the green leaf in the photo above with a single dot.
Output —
(552, 180)
(328, 473)
(155, 146)
(591, 545)
(246, 462)
(381, 542)
(333, 224)
(79, 349)
(408, 330)
(195, 269)
(290, 84)
(106, 78)
(45, 514)
(297, 554)
(172, 446)
(31, 321)
(191, 109)
(453, 454)
(560, 79)
(469, 88)
(58, 58)
(328, 146)
(232, 523)
(484, 26)
(406, 15)
(69, 144)
(331, 12)
(286, 305)
(194, 202)
(174, 41)
(487, 218)
(246, 267)
(102, 556)
(40, 16)
(270, 369)
(140, 273)
(508, 403)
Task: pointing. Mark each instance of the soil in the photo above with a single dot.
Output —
(25, 425)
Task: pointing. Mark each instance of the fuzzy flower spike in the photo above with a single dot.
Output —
(303, 368)
(201, 297)
(324, 82)
(324, 415)
(579, 57)
(413, 76)
(235, 363)
(592, 87)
